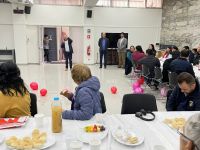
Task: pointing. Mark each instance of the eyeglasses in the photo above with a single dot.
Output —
(188, 139)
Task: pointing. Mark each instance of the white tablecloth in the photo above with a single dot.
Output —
(154, 132)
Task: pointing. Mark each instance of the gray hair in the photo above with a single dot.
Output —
(192, 129)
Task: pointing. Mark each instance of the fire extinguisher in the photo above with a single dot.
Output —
(88, 50)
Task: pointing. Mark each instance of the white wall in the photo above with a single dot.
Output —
(6, 37)
(56, 15)
(76, 34)
(142, 25)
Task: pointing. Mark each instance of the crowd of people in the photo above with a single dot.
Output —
(86, 101)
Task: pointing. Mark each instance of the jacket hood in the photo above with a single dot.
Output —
(92, 83)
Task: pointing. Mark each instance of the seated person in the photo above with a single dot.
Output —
(196, 57)
(14, 96)
(137, 55)
(166, 65)
(150, 61)
(152, 47)
(86, 100)
(167, 54)
(181, 64)
(190, 139)
(186, 95)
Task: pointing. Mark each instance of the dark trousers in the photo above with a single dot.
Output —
(46, 54)
(68, 56)
(103, 55)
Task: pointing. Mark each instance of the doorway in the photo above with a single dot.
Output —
(52, 34)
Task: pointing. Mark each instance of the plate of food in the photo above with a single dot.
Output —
(92, 131)
(37, 140)
(175, 123)
(127, 137)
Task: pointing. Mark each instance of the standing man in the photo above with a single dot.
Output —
(68, 51)
(46, 47)
(121, 49)
(103, 46)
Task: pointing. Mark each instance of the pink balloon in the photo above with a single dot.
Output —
(43, 92)
(34, 85)
(136, 85)
(138, 90)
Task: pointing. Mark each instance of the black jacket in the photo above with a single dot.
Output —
(151, 62)
(181, 65)
(166, 68)
(70, 45)
(177, 101)
(100, 44)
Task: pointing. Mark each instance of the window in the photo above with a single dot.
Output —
(131, 3)
(119, 3)
(105, 3)
(154, 3)
(136, 3)
(61, 2)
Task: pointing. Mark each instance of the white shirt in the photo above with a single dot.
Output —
(66, 46)
(121, 41)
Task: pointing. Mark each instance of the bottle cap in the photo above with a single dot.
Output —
(56, 98)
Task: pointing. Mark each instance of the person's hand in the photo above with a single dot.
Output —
(67, 94)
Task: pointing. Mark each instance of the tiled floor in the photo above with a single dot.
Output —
(54, 78)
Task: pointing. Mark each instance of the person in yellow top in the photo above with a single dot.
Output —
(14, 96)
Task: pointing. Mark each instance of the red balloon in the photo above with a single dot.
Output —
(113, 90)
(141, 80)
(43, 92)
(34, 85)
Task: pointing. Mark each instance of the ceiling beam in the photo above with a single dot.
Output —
(90, 3)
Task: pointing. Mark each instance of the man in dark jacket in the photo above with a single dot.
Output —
(186, 96)
(181, 64)
(68, 51)
(166, 65)
(103, 46)
(150, 61)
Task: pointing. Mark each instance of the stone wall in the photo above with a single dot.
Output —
(181, 23)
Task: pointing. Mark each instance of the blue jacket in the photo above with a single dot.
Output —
(101, 45)
(86, 101)
(180, 65)
(178, 101)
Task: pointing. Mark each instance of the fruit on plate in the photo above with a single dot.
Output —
(37, 140)
(176, 123)
(94, 128)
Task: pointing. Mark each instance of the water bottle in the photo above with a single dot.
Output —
(56, 109)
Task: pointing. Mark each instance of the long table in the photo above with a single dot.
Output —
(154, 132)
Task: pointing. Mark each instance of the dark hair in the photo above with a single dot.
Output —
(10, 81)
(149, 52)
(169, 47)
(185, 77)
(139, 48)
(186, 47)
(153, 48)
(175, 54)
(194, 49)
(45, 35)
(174, 47)
(185, 53)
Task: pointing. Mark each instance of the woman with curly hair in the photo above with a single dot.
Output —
(14, 96)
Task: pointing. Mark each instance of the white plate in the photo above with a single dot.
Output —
(50, 142)
(1, 138)
(139, 136)
(86, 137)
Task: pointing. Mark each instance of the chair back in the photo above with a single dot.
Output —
(33, 107)
(103, 104)
(158, 73)
(133, 103)
(172, 79)
(145, 70)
